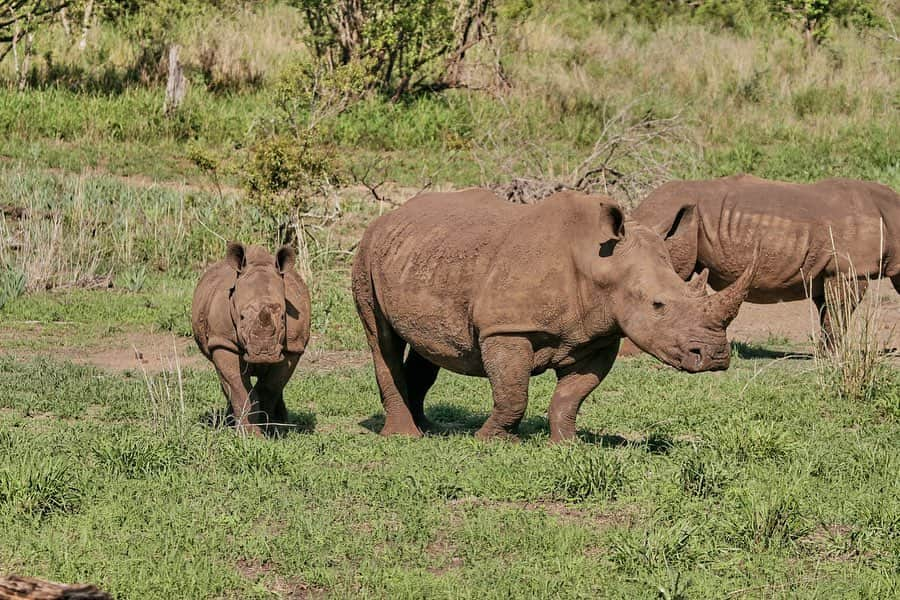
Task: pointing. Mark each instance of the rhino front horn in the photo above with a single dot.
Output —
(723, 307)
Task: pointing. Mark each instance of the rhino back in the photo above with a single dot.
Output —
(427, 260)
(210, 309)
(794, 225)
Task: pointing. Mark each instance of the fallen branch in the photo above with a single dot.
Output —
(14, 587)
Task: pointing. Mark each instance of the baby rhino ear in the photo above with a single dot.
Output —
(285, 258)
(234, 256)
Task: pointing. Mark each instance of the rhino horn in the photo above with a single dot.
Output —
(723, 307)
(697, 283)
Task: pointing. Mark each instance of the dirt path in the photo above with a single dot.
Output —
(784, 325)
(155, 352)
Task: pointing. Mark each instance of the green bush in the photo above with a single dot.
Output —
(830, 100)
(12, 284)
(405, 44)
(583, 472)
(36, 486)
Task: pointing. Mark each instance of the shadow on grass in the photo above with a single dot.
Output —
(751, 351)
(447, 420)
(297, 422)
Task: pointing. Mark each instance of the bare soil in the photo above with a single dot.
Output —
(155, 352)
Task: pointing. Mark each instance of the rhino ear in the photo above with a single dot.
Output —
(284, 258)
(614, 228)
(234, 256)
(683, 220)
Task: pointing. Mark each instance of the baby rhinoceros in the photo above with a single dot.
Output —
(250, 317)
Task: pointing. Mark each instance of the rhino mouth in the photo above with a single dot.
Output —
(263, 352)
(697, 357)
(263, 358)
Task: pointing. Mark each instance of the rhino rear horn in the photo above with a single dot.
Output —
(723, 307)
(697, 284)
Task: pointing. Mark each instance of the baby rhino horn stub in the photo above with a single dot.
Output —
(697, 284)
(723, 307)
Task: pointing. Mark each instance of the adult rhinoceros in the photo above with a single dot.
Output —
(807, 234)
(483, 287)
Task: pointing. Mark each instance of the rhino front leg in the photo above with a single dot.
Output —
(573, 386)
(235, 384)
(508, 363)
(896, 281)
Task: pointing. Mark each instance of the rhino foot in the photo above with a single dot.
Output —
(396, 429)
(496, 433)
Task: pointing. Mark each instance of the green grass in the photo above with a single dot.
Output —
(702, 485)
(753, 483)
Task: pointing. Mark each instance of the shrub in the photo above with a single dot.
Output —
(134, 457)
(701, 475)
(403, 45)
(770, 521)
(38, 487)
(583, 472)
(12, 284)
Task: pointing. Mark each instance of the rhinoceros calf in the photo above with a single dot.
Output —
(483, 287)
(807, 234)
(250, 317)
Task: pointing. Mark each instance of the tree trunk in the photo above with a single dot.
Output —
(86, 24)
(64, 19)
(176, 86)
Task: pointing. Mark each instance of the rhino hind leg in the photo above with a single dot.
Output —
(508, 362)
(387, 355)
(834, 319)
(895, 280)
(420, 376)
(573, 385)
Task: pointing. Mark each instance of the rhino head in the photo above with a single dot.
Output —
(258, 300)
(674, 320)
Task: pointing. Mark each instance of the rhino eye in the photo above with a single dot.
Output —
(658, 305)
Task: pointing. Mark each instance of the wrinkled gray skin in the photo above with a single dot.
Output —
(250, 316)
(480, 286)
(715, 225)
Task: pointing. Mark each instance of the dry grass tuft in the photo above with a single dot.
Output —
(854, 363)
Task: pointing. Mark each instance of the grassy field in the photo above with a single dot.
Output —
(733, 485)
(757, 482)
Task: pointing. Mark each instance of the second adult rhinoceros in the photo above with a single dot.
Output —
(483, 287)
(807, 234)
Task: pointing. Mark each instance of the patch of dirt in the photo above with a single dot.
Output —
(156, 352)
(833, 542)
(445, 552)
(332, 360)
(565, 512)
(291, 588)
